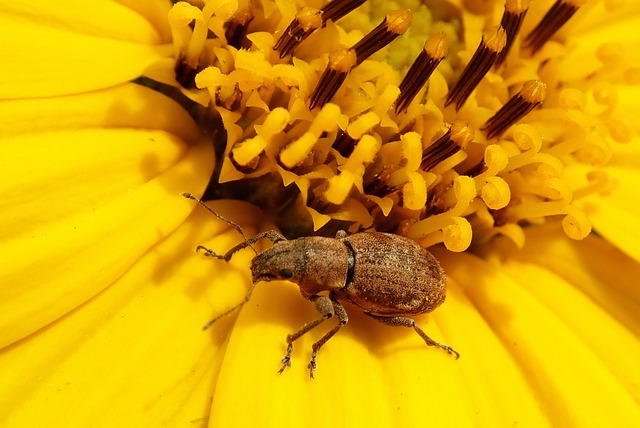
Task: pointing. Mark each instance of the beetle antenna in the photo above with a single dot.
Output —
(228, 311)
(236, 226)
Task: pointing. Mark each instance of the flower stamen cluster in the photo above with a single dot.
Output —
(461, 146)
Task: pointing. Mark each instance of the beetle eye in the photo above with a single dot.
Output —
(286, 273)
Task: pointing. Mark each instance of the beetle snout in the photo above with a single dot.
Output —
(257, 277)
(276, 263)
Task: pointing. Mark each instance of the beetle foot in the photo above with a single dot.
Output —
(449, 350)
(312, 364)
(207, 252)
(286, 361)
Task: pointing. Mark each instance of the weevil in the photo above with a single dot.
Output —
(387, 276)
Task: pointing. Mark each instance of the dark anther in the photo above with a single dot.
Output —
(332, 78)
(514, 13)
(393, 25)
(531, 95)
(435, 50)
(306, 22)
(185, 74)
(555, 18)
(493, 41)
(344, 143)
(456, 138)
(309, 20)
(235, 30)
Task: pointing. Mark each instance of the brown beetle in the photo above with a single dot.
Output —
(387, 276)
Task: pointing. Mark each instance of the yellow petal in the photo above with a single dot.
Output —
(99, 18)
(618, 353)
(549, 331)
(128, 106)
(52, 60)
(154, 11)
(616, 215)
(135, 354)
(80, 208)
(585, 52)
(594, 266)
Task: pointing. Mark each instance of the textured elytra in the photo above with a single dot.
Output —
(393, 275)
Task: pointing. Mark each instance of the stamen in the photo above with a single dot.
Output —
(235, 30)
(378, 185)
(456, 138)
(413, 181)
(493, 41)
(344, 143)
(555, 18)
(332, 77)
(448, 227)
(350, 159)
(296, 151)
(185, 73)
(246, 155)
(306, 22)
(315, 199)
(345, 140)
(598, 183)
(575, 223)
(393, 25)
(336, 9)
(435, 49)
(352, 171)
(514, 13)
(495, 193)
(414, 191)
(190, 33)
(493, 190)
(532, 94)
(309, 20)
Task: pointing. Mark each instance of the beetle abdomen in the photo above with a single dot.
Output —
(393, 275)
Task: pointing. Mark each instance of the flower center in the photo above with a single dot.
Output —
(390, 118)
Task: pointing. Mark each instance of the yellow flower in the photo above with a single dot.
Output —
(102, 295)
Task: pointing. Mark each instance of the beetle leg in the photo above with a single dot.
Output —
(408, 322)
(208, 252)
(325, 307)
(343, 319)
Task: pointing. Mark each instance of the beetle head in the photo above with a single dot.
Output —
(285, 260)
